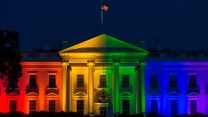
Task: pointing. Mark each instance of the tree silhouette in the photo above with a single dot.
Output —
(10, 58)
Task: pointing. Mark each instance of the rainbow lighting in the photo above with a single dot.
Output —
(106, 76)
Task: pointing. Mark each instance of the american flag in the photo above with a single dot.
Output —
(105, 8)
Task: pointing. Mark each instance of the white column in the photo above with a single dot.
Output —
(90, 64)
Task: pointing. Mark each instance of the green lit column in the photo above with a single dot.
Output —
(90, 64)
(116, 87)
(138, 90)
(142, 80)
(65, 94)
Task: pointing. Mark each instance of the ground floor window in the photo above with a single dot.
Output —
(173, 107)
(193, 107)
(52, 105)
(13, 105)
(126, 107)
(80, 107)
(103, 111)
(32, 105)
(154, 106)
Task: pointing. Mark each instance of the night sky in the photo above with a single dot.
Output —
(180, 24)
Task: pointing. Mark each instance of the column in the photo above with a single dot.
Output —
(65, 86)
(138, 90)
(116, 88)
(68, 89)
(90, 64)
(142, 91)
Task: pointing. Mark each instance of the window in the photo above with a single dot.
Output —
(193, 107)
(125, 81)
(52, 81)
(32, 81)
(13, 105)
(153, 81)
(154, 105)
(102, 81)
(126, 107)
(173, 107)
(103, 111)
(192, 81)
(80, 81)
(32, 105)
(173, 81)
(80, 107)
(52, 105)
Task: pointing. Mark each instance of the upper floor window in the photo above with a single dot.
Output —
(125, 81)
(153, 81)
(173, 81)
(103, 81)
(80, 81)
(52, 81)
(13, 105)
(32, 81)
(192, 81)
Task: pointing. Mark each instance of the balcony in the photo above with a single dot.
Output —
(50, 90)
(30, 89)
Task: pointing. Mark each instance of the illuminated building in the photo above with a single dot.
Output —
(106, 76)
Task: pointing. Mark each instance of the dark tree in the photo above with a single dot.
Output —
(10, 58)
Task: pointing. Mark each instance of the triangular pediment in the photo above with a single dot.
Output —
(103, 43)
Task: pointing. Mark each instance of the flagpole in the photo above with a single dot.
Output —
(101, 16)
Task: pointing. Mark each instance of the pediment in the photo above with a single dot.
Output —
(154, 94)
(193, 94)
(126, 94)
(173, 94)
(80, 94)
(32, 94)
(103, 43)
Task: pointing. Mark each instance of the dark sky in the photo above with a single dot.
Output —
(180, 24)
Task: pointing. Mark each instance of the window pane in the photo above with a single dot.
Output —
(193, 107)
(125, 81)
(126, 107)
(52, 105)
(174, 107)
(153, 81)
(154, 105)
(32, 105)
(103, 111)
(80, 107)
(192, 81)
(32, 81)
(52, 81)
(102, 80)
(80, 81)
(13, 105)
(173, 81)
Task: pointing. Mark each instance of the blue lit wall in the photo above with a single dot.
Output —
(183, 94)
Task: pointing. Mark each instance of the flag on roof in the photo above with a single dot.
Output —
(105, 8)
